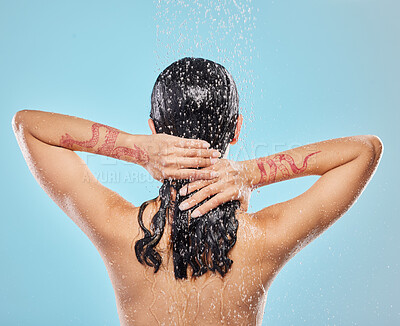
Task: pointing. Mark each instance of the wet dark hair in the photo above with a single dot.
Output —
(192, 98)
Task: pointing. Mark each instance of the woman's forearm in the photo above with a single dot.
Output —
(78, 134)
(313, 159)
(235, 180)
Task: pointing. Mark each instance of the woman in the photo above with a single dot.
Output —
(193, 254)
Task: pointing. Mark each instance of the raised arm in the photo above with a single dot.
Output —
(48, 141)
(344, 164)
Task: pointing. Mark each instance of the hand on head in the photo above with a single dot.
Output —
(229, 184)
(178, 158)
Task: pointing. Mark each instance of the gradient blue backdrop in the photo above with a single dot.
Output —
(306, 70)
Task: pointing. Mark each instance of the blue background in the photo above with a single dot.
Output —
(306, 71)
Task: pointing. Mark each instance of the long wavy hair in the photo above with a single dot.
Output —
(198, 99)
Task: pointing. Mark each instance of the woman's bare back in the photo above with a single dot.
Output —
(265, 240)
(147, 298)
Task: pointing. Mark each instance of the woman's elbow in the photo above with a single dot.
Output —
(18, 117)
(376, 148)
(378, 144)
(18, 120)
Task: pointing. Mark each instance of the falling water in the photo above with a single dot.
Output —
(219, 30)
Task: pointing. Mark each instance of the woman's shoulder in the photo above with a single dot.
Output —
(250, 231)
(121, 220)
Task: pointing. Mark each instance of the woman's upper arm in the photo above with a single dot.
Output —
(295, 223)
(69, 183)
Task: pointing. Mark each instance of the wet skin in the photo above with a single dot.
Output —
(266, 239)
(148, 298)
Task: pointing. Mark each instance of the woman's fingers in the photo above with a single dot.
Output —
(192, 174)
(193, 186)
(195, 158)
(189, 158)
(195, 152)
(199, 196)
(194, 162)
(211, 204)
(191, 143)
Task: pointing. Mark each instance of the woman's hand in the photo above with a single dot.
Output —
(231, 183)
(165, 156)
